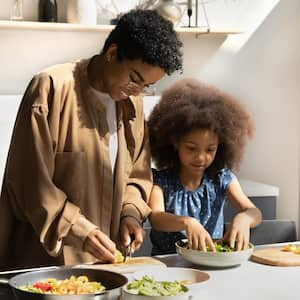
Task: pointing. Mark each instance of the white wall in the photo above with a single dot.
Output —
(261, 67)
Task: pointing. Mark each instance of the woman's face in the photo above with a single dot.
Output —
(197, 150)
(128, 77)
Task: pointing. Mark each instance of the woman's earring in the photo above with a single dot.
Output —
(108, 57)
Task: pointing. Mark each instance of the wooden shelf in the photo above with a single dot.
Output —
(26, 25)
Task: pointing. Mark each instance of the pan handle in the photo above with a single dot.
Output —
(12, 273)
(6, 275)
(3, 281)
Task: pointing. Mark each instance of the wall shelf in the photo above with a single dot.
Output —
(28, 25)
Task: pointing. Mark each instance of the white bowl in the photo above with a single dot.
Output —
(191, 278)
(154, 272)
(214, 259)
(127, 295)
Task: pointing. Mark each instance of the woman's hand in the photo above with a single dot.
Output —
(239, 232)
(130, 226)
(100, 246)
(198, 237)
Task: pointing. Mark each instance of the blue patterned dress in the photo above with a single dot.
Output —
(205, 204)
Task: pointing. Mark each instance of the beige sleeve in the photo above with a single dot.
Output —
(30, 169)
(139, 184)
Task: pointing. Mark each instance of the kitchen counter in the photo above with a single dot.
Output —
(248, 281)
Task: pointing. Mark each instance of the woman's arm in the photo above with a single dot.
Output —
(160, 220)
(248, 216)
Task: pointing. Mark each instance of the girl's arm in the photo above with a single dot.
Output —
(248, 216)
(160, 220)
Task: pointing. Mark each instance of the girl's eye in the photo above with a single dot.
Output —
(190, 148)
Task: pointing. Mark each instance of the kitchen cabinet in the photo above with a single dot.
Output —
(264, 196)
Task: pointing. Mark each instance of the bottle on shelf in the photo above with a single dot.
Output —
(17, 10)
(47, 11)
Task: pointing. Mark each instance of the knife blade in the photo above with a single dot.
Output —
(127, 250)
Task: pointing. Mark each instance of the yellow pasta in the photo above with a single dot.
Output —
(71, 286)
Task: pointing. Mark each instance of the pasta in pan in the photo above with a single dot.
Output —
(71, 286)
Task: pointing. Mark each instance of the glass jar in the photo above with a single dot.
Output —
(17, 10)
(82, 11)
(169, 10)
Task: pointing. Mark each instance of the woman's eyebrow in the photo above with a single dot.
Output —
(138, 74)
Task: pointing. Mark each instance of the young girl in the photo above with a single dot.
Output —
(197, 137)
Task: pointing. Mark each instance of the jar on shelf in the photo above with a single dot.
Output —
(82, 12)
(169, 10)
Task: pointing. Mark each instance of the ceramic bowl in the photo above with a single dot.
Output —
(214, 259)
(127, 295)
(191, 278)
(188, 277)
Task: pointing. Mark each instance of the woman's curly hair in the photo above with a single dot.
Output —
(188, 105)
(145, 35)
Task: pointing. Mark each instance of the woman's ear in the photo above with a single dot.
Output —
(111, 52)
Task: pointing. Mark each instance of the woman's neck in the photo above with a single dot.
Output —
(95, 72)
(190, 181)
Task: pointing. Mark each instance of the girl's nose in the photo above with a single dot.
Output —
(200, 157)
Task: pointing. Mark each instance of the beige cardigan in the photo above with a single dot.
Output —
(58, 183)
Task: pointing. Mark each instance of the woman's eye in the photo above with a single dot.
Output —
(133, 79)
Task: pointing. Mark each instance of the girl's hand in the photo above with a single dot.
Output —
(198, 237)
(100, 246)
(239, 232)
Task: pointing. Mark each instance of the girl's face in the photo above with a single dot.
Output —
(197, 150)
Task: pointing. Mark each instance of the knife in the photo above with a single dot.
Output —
(127, 250)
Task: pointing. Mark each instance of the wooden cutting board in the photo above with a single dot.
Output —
(275, 256)
(133, 264)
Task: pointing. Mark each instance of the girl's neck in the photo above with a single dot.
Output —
(190, 182)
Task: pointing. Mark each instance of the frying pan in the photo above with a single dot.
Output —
(111, 280)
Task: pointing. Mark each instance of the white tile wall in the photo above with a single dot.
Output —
(9, 106)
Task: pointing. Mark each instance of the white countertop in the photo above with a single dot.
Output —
(249, 281)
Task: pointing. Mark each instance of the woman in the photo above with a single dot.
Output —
(78, 172)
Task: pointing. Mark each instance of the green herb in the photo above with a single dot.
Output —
(221, 246)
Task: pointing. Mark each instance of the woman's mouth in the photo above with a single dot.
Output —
(124, 95)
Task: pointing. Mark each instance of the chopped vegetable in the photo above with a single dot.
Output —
(292, 248)
(221, 246)
(147, 286)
